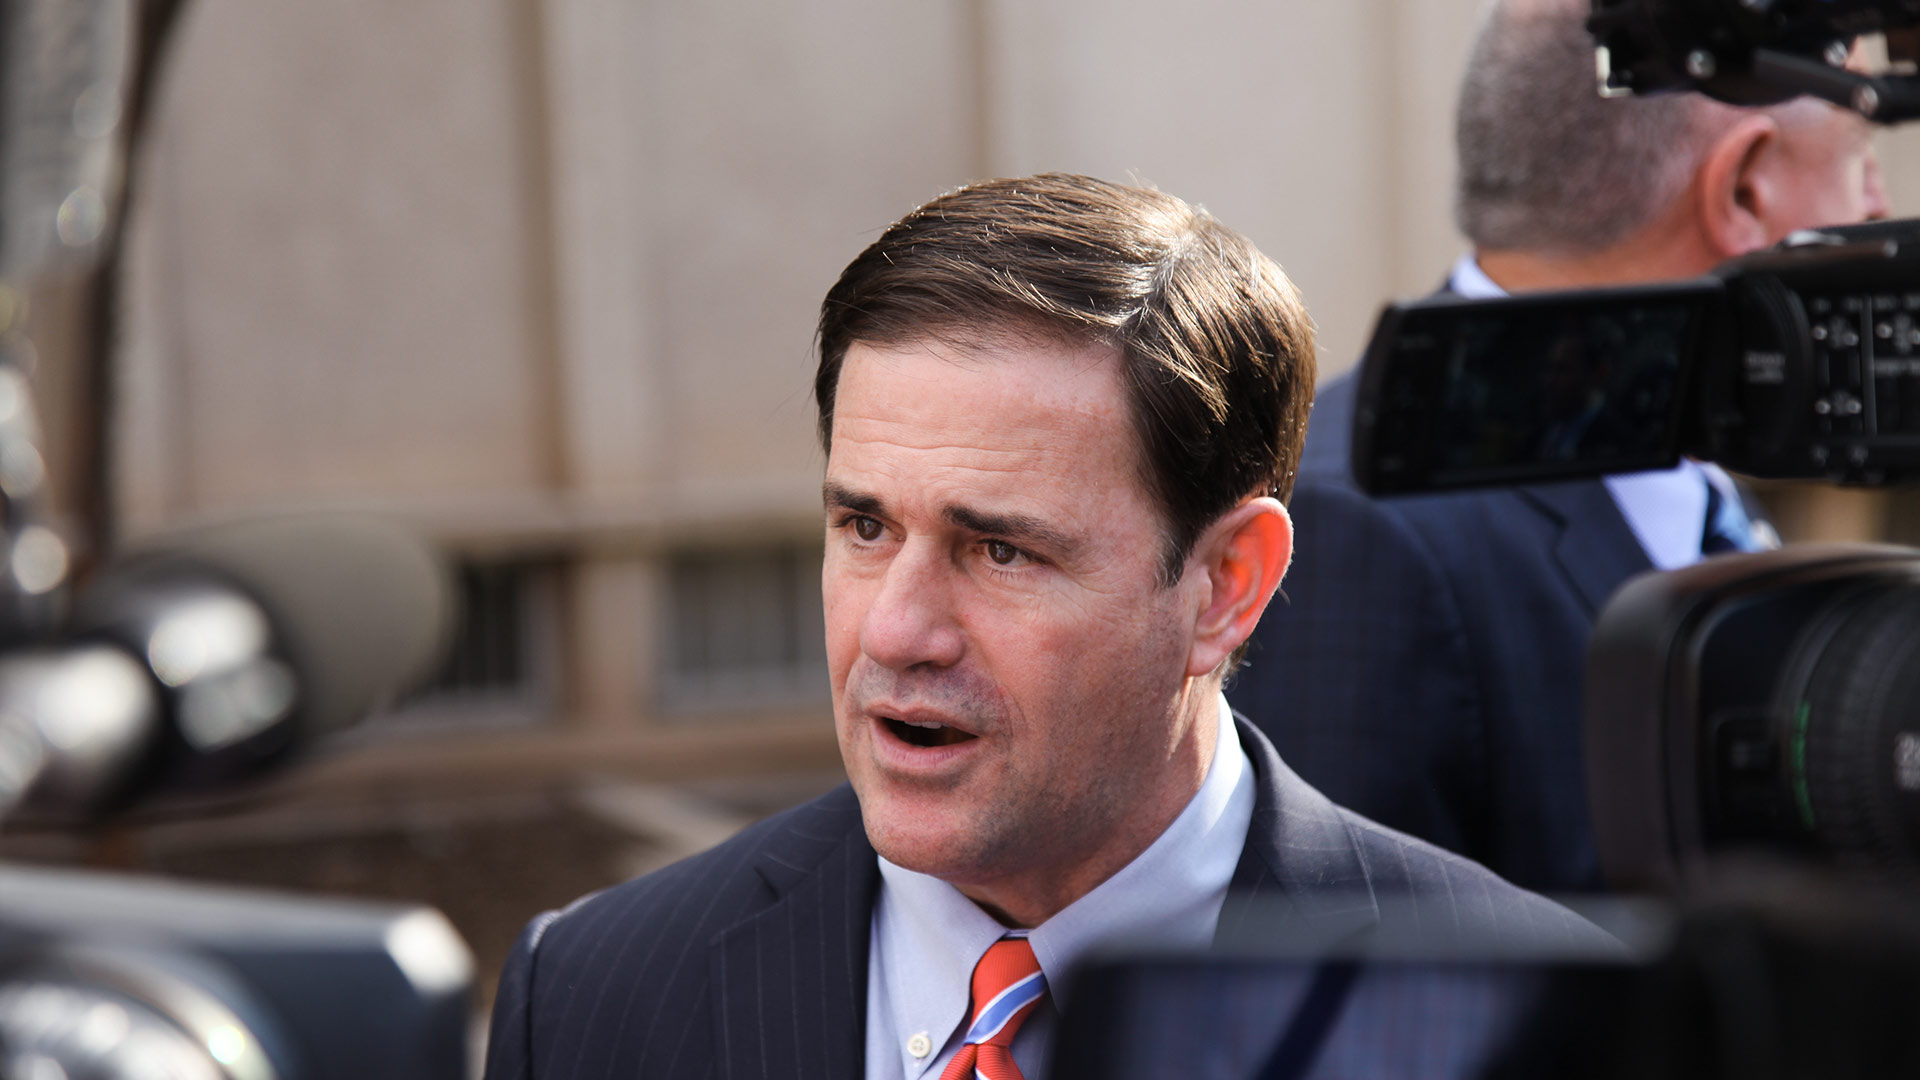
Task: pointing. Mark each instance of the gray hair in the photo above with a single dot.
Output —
(1545, 163)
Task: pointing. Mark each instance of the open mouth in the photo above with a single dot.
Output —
(927, 734)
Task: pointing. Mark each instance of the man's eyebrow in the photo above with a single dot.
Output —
(1015, 527)
(837, 497)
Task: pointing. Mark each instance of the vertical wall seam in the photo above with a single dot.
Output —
(539, 157)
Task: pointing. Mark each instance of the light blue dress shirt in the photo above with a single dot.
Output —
(927, 937)
(1665, 508)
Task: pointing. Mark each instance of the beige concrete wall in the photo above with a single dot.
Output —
(338, 280)
(1322, 131)
(451, 252)
(782, 138)
(544, 272)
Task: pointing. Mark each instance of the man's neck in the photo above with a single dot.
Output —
(1666, 251)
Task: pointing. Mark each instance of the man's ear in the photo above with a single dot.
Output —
(1738, 187)
(1244, 555)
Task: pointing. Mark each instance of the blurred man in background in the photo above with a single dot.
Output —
(1060, 416)
(1427, 666)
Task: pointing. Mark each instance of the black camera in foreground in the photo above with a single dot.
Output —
(1759, 702)
(1763, 701)
(1799, 362)
(104, 976)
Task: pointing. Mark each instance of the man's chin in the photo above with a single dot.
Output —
(939, 845)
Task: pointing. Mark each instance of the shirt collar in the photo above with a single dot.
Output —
(1470, 282)
(1666, 509)
(931, 936)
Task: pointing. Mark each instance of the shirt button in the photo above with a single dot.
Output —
(919, 1046)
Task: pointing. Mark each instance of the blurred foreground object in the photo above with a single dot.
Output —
(1768, 975)
(105, 977)
(62, 83)
(196, 660)
(1798, 362)
(205, 656)
(200, 659)
(1759, 703)
(1755, 52)
(65, 68)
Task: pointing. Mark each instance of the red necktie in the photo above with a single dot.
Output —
(1007, 984)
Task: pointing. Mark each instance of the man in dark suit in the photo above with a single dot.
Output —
(1060, 416)
(1453, 628)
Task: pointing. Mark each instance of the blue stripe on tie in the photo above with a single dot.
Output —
(1003, 1007)
(1727, 526)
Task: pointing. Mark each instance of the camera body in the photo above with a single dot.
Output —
(1751, 702)
(1764, 702)
(103, 975)
(1802, 362)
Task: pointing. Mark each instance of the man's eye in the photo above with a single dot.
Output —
(867, 529)
(1002, 552)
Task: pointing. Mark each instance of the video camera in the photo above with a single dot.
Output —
(1799, 362)
(1760, 701)
(1755, 52)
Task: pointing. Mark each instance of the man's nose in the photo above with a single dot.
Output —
(913, 618)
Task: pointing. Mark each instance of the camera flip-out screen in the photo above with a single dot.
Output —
(1463, 393)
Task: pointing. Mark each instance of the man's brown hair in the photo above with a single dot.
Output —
(1217, 350)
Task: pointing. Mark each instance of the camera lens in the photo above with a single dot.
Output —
(1853, 737)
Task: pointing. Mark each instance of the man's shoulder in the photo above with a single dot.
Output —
(1353, 873)
(1420, 887)
(623, 980)
(703, 894)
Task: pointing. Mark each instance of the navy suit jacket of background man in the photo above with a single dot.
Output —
(1426, 664)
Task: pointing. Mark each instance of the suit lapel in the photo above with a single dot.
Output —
(789, 983)
(1596, 548)
(1300, 879)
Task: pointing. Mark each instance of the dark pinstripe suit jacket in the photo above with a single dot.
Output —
(750, 960)
(1451, 629)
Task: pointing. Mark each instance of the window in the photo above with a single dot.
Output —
(502, 666)
(744, 629)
